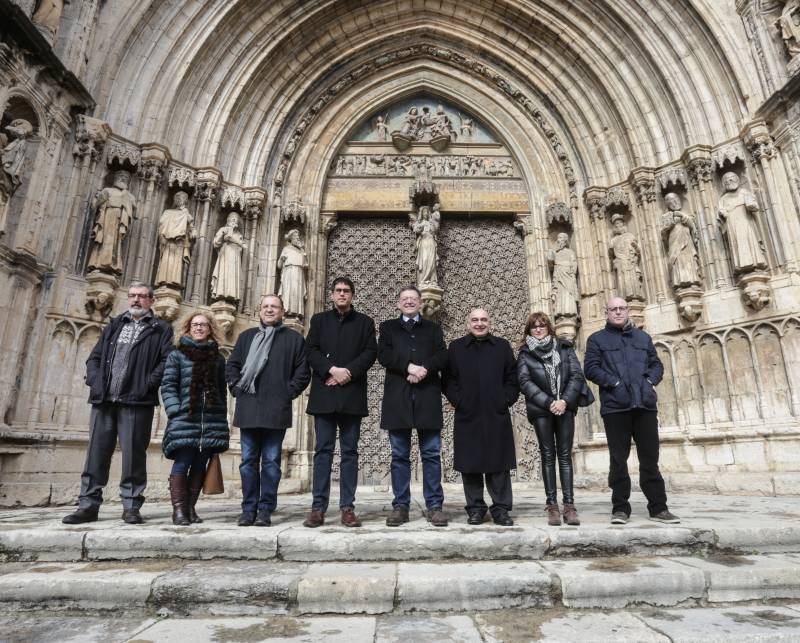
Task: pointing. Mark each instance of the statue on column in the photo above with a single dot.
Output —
(680, 237)
(563, 265)
(176, 235)
(626, 259)
(293, 263)
(736, 216)
(426, 226)
(13, 154)
(226, 278)
(115, 209)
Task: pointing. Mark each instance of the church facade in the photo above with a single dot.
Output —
(509, 154)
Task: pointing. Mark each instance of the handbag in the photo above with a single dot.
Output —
(586, 397)
(212, 482)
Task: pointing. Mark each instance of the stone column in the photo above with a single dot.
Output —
(644, 185)
(145, 231)
(703, 200)
(254, 206)
(328, 220)
(535, 239)
(206, 188)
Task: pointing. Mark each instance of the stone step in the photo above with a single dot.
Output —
(257, 587)
(739, 624)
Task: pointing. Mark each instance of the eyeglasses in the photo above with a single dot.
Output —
(539, 327)
(345, 291)
(199, 325)
(617, 309)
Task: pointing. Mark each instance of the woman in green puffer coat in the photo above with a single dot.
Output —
(195, 399)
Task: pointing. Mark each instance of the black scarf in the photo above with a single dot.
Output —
(204, 361)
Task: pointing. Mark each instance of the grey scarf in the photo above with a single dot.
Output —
(546, 349)
(257, 357)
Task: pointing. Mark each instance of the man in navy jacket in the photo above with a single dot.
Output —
(623, 362)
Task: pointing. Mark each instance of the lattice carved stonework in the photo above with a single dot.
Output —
(481, 263)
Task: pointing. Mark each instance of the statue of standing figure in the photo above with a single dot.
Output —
(680, 237)
(115, 209)
(13, 154)
(789, 26)
(176, 234)
(226, 278)
(563, 263)
(736, 216)
(426, 226)
(293, 263)
(625, 255)
(382, 127)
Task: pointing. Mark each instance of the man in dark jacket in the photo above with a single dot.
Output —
(623, 362)
(340, 348)
(123, 372)
(266, 371)
(481, 383)
(413, 351)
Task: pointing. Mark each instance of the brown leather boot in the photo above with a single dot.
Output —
(178, 494)
(315, 518)
(571, 515)
(553, 515)
(398, 516)
(349, 518)
(195, 487)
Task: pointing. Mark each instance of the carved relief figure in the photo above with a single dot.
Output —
(47, 17)
(789, 25)
(382, 127)
(680, 236)
(426, 227)
(563, 263)
(293, 263)
(115, 209)
(13, 154)
(226, 278)
(176, 234)
(440, 124)
(736, 215)
(625, 255)
(412, 123)
(467, 126)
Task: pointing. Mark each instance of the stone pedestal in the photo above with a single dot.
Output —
(167, 302)
(690, 302)
(431, 300)
(636, 312)
(567, 328)
(755, 289)
(401, 141)
(100, 293)
(440, 143)
(225, 314)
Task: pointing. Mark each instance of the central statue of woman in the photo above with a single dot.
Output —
(426, 227)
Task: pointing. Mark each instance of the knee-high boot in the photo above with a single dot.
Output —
(195, 487)
(178, 494)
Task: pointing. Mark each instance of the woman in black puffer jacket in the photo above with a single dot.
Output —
(553, 384)
(195, 399)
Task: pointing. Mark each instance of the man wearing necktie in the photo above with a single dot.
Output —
(413, 352)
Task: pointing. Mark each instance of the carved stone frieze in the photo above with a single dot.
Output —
(121, 152)
(405, 165)
(91, 135)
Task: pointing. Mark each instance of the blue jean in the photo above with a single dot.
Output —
(260, 446)
(325, 431)
(430, 445)
(190, 459)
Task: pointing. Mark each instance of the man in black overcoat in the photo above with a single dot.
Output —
(265, 372)
(481, 383)
(340, 347)
(413, 351)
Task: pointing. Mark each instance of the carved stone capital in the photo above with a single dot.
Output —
(595, 199)
(700, 170)
(522, 222)
(207, 181)
(254, 198)
(328, 221)
(91, 135)
(643, 180)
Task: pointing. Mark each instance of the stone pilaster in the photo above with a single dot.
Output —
(644, 186)
(255, 198)
(206, 188)
(145, 231)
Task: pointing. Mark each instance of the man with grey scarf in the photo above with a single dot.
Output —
(265, 372)
(623, 362)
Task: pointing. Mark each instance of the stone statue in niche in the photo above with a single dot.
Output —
(680, 237)
(425, 225)
(13, 154)
(176, 234)
(382, 127)
(226, 278)
(47, 17)
(563, 263)
(789, 26)
(625, 257)
(736, 216)
(293, 263)
(115, 209)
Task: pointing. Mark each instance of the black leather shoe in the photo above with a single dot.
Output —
(82, 515)
(262, 519)
(246, 519)
(475, 518)
(502, 518)
(132, 517)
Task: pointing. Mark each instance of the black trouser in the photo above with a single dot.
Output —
(499, 486)
(642, 426)
(555, 434)
(133, 425)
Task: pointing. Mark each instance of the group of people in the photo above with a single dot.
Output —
(271, 365)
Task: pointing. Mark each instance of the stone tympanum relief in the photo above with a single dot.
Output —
(736, 215)
(293, 263)
(563, 264)
(679, 234)
(625, 253)
(423, 124)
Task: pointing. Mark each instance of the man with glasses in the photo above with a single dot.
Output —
(623, 362)
(123, 373)
(340, 348)
(413, 352)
